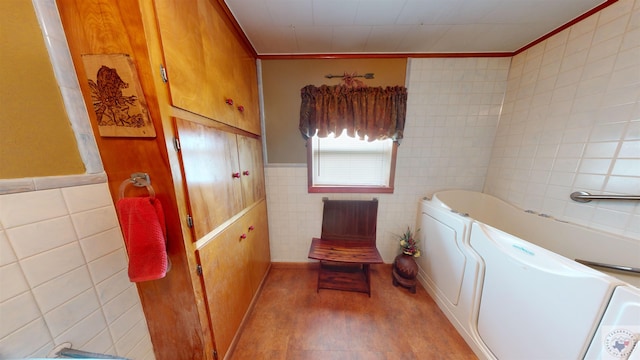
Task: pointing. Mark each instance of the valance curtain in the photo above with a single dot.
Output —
(376, 112)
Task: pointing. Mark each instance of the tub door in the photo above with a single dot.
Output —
(442, 259)
(536, 304)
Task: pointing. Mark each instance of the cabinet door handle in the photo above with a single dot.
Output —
(240, 108)
(245, 173)
(243, 236)
(229, 101)
(251, 228)
(235, 175)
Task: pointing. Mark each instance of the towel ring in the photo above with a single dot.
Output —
(138, 180)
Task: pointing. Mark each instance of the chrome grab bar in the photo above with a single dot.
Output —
(630, 269)
(585, 197)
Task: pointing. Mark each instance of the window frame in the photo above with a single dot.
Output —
(311, 188)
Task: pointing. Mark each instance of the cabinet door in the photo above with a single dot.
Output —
(212, 176)
(258, 235)
(245, 84)
(226, 282)
(210, 72)
(252, 169)
(182, 40)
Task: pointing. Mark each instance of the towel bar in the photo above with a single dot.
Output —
(585, 197)
(64, 351)
(628, 269)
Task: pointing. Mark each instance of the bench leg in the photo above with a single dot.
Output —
(365, 268)
(319, 274)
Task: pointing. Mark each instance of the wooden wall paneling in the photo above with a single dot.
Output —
(105, 27)
(210, 162)
(224, 261)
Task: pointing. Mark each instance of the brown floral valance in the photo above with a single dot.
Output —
(376, 112)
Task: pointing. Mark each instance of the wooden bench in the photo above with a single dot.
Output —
(347, 245)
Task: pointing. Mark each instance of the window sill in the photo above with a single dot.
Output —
(351, 189)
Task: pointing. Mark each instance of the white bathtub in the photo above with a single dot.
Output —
(507, 280)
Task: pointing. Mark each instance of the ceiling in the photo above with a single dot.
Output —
(283, 27)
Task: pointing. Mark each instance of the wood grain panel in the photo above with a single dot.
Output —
(252, 169)
(354, 220)
(179, 21)
(257, 227)
(244, 84)
(240, 78)
(227, 284)
(206, 63)
(218, 69)
(209, 158)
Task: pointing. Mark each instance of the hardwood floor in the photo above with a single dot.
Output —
(291, 321)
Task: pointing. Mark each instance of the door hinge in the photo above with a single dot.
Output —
(199, 270)
(176, 144)
(163, 74)
(189, 221)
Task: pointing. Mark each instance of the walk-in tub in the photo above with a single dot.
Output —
(507, 279)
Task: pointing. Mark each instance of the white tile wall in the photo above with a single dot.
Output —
(452, 114)
(63, 276)
(571, 120)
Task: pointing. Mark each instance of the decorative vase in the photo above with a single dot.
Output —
(404, 272)
(406, 266)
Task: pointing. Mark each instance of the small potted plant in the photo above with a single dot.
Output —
(409, 243)
(405, 268)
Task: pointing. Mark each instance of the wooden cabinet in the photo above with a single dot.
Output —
(217, 174)
(201, 47)
(233, 265)
(223, 171)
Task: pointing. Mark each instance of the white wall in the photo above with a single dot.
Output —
(452, 115)
(571, 122)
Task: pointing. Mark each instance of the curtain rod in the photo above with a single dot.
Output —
(366, 76)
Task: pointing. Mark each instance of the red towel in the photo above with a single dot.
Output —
(143, 226)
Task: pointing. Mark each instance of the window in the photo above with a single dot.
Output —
(348, 165)
(345, 164)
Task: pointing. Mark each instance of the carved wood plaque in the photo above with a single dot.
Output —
(117, 97)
